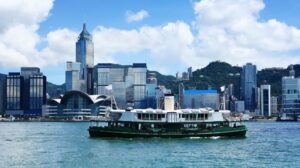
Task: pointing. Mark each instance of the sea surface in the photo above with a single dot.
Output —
(59, 144)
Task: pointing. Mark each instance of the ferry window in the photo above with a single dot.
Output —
(146, 116)
(151, 117)
(163, 116)
(193, 116)
(205, 116)
(143, 116)
(159, 116)
(139, 116)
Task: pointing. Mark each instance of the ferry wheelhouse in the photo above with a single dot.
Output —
(202, 122)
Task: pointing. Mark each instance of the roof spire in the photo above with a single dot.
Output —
(84, 26)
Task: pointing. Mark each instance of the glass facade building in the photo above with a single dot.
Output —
(79, 74)
(265, 105)
(72, 77)
(126, 83)
(274, 105)
(25, 92)
(291, 96)
(201, 99)
(85, 52)
(14, 94)
(2, 92)
(248, 86)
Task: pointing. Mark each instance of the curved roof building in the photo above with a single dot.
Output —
(77, 103)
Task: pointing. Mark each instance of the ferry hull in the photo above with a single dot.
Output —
(234, 132)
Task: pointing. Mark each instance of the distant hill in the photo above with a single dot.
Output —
(214, 75)
(217, 74)
(55, 90)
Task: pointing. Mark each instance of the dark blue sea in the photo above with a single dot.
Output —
(58, 144)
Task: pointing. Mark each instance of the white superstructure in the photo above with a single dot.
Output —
(182, 115)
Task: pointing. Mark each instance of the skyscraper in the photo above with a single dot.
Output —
(126, 83)
(190, 71)
(79, 74)
(2, 91)
(14, 94)
(201, 99)
(248, 86)
(26, 92)
(265, 104)
(180, 94)
(151, 86)
(85, 52)
(274, 105)
(291, 96)
(72, 77)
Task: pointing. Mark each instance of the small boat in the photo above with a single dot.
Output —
(181, 123)
(285, 118)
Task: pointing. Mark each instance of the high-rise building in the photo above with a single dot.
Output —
(161, 91)
(239, 106)
(248, 86)
(180, 95)
(291, 96)
(258, 98)
(190, 72)
(14, 94)
(178, 76)
(201, 99)
(2, 91)
(151, 90)
(274, 105)
(265, 100)
(79, 74)
(72, 77)
(25, 92)
(231, 90)
(126, 83)
(185, 76)
(85, 52)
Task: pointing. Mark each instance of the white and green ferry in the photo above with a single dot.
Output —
(181, 123)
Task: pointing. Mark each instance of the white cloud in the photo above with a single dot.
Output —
(136, 17)
(168, 43)
(227, 30)
(18, 37)
(60, 47)
(230, 30)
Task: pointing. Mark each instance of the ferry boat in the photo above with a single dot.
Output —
(203, 122)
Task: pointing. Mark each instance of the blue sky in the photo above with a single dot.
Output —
(184, 23)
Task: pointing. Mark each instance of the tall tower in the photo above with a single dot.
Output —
(265, 104)
(248, 86)
(85, 52)
(85, 56)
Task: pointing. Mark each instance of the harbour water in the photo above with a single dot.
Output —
(58, 144)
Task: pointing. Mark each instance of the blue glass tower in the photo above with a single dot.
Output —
(79, 74)
(85, 52)
(25, 92)
(248, 86)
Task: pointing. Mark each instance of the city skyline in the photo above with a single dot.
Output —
(114, 83)
(50, 35)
